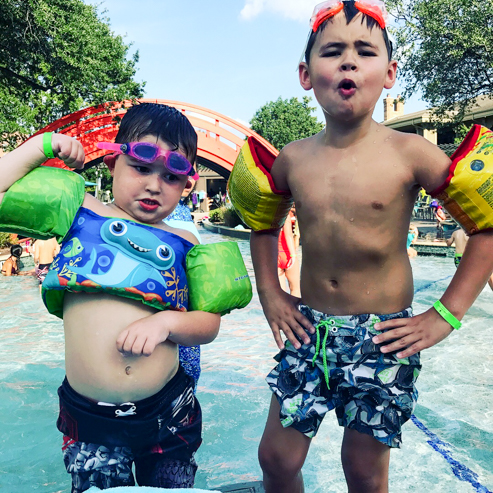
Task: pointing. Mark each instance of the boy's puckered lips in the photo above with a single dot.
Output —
(347, 87)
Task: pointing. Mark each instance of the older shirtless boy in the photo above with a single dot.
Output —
(354, 185)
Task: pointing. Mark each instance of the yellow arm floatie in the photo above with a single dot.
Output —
(252, 191)
(467, 193)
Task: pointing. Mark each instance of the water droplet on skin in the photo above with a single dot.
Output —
(352, 219)
(368, 292)
(374, 141)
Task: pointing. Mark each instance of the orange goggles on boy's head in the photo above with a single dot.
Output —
(373, 8)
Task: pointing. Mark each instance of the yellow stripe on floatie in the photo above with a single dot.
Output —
(468, 192)
(251, 189)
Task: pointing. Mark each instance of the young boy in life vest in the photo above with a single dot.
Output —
(353, 343)
(119, 283)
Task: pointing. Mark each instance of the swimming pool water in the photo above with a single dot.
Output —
(451, 439)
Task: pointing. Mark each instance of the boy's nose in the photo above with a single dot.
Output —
(348, 66)
(153, 183)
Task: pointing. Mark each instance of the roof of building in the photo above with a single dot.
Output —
(482, 108)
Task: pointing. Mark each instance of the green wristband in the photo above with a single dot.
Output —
(47, 148)
(444, 313)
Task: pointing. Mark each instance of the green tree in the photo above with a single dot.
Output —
(445, 50)
(283, 121)
(92, 174)
(57, 56)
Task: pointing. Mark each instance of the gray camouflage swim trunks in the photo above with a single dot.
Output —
(372, 392)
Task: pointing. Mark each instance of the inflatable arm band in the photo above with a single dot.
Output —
(467, 194)
(252, 191)
(42, 204)
(218, 281)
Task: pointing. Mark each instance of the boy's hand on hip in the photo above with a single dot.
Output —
(281, 311)
(411, 335)
(141, 337)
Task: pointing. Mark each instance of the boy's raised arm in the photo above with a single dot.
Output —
(26, 157)
(280, 308)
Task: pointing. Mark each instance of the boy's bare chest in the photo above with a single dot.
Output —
(352, 188)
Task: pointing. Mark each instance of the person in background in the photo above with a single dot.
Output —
(440, 217)
(44, 253)
(181, 218)
(459, 240)
(11, 266)
(288, 268)
(412, 236)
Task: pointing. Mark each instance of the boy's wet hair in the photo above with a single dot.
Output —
(351, 12)
(162, 121)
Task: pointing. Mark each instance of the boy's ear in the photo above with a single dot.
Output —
(391, 75)
(304, 76)
(110, 162)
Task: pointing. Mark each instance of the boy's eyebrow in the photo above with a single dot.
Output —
(360, 43)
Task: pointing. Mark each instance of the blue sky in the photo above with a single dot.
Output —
(231, 56)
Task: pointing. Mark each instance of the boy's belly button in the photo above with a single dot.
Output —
(127, 369)
(333, 284)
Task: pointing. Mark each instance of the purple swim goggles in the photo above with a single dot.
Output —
(148, 153)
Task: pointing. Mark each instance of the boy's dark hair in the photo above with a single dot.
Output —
(161, 121)
(351, 12)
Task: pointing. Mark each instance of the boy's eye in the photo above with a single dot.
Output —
(331, 53)
(367, 53)
(142, 169)
(171, 177)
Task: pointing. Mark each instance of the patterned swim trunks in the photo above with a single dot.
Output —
(372, 392)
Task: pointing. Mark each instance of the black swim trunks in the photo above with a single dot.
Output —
(160, 434)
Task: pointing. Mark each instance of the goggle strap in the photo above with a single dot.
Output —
(324, 15)
(373, 11)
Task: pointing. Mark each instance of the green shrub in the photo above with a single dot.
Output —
(217, 215)
(231, 218)
(6, 240)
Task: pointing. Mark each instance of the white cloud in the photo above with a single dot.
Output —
(299, 10)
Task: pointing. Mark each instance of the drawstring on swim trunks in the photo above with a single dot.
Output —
(327, 325)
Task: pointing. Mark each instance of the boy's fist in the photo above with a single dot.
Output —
(69, 150)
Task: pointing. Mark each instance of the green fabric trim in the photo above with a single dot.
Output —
(53, 298)
(42, 204)
(218, 281)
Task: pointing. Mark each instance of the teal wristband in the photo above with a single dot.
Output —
(445, 314)
(47, 148)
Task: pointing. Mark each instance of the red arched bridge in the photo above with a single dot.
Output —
(219, 137)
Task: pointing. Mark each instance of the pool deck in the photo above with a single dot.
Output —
(422, 246)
